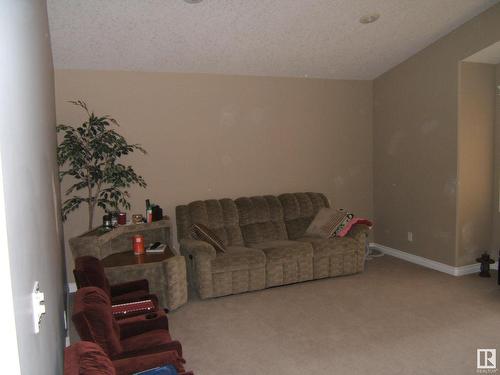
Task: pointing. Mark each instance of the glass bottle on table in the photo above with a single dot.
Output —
(149, 212)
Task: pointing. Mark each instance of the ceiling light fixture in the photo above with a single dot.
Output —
(193, 1)
(369, 18)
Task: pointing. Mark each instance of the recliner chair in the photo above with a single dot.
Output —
(88, 358)
(126, 338)
(90, 272)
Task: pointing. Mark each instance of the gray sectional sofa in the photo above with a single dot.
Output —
(266, 244)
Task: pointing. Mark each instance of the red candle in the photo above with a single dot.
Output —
(122, 218)
(138, 241)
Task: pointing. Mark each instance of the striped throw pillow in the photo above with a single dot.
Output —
(345, 224)
(202, 233)
(328, 222)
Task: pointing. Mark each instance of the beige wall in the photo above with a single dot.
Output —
(214, 136)
(30, 225)
(495, 244)
(476, 120)
(415, 143)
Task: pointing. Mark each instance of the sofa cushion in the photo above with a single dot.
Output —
(220, 216)
(284, 250)
(238, 258)
(299, 210)
(202, 233)
(261, 219)
(323, 247)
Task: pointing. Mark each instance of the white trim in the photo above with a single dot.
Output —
(438, 266)
(72, 287)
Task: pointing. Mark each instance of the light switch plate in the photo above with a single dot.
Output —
(38, 299)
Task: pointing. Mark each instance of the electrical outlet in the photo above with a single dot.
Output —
(410, 236)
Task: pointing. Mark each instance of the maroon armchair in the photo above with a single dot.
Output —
(88, 358)
(126, 338)
(90, 272)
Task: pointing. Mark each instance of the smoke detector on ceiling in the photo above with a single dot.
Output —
(369, 18)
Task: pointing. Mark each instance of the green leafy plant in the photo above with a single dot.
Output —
(91, 154)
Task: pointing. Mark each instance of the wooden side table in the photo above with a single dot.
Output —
(165, 272)
(128, 258)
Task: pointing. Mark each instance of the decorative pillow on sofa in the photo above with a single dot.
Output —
(344, 226)
(328, 222)
(202, 233)
(342, 232)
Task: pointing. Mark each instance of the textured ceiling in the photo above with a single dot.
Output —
(313, 38)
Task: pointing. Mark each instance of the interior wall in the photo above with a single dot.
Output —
(415, 143)
(495, 233)
(30, 184)
(476, 122)
(215, 136)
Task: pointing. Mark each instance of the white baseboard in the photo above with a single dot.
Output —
(72, 287)
(438, 266)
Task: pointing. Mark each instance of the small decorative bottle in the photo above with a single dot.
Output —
(149, 212)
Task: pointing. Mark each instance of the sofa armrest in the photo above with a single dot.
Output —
(200, 255)
(359, 232)
(142, 323)
(129, 286)
(196, 248)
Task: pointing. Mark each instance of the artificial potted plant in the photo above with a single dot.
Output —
(90, 155)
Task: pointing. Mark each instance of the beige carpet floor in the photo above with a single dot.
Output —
(395, 318)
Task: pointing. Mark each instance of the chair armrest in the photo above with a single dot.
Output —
(138, 324)
(126, 298)
(148, 361)
(196, 248)
(130, 286)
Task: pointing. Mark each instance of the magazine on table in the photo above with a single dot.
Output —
(156, 247)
